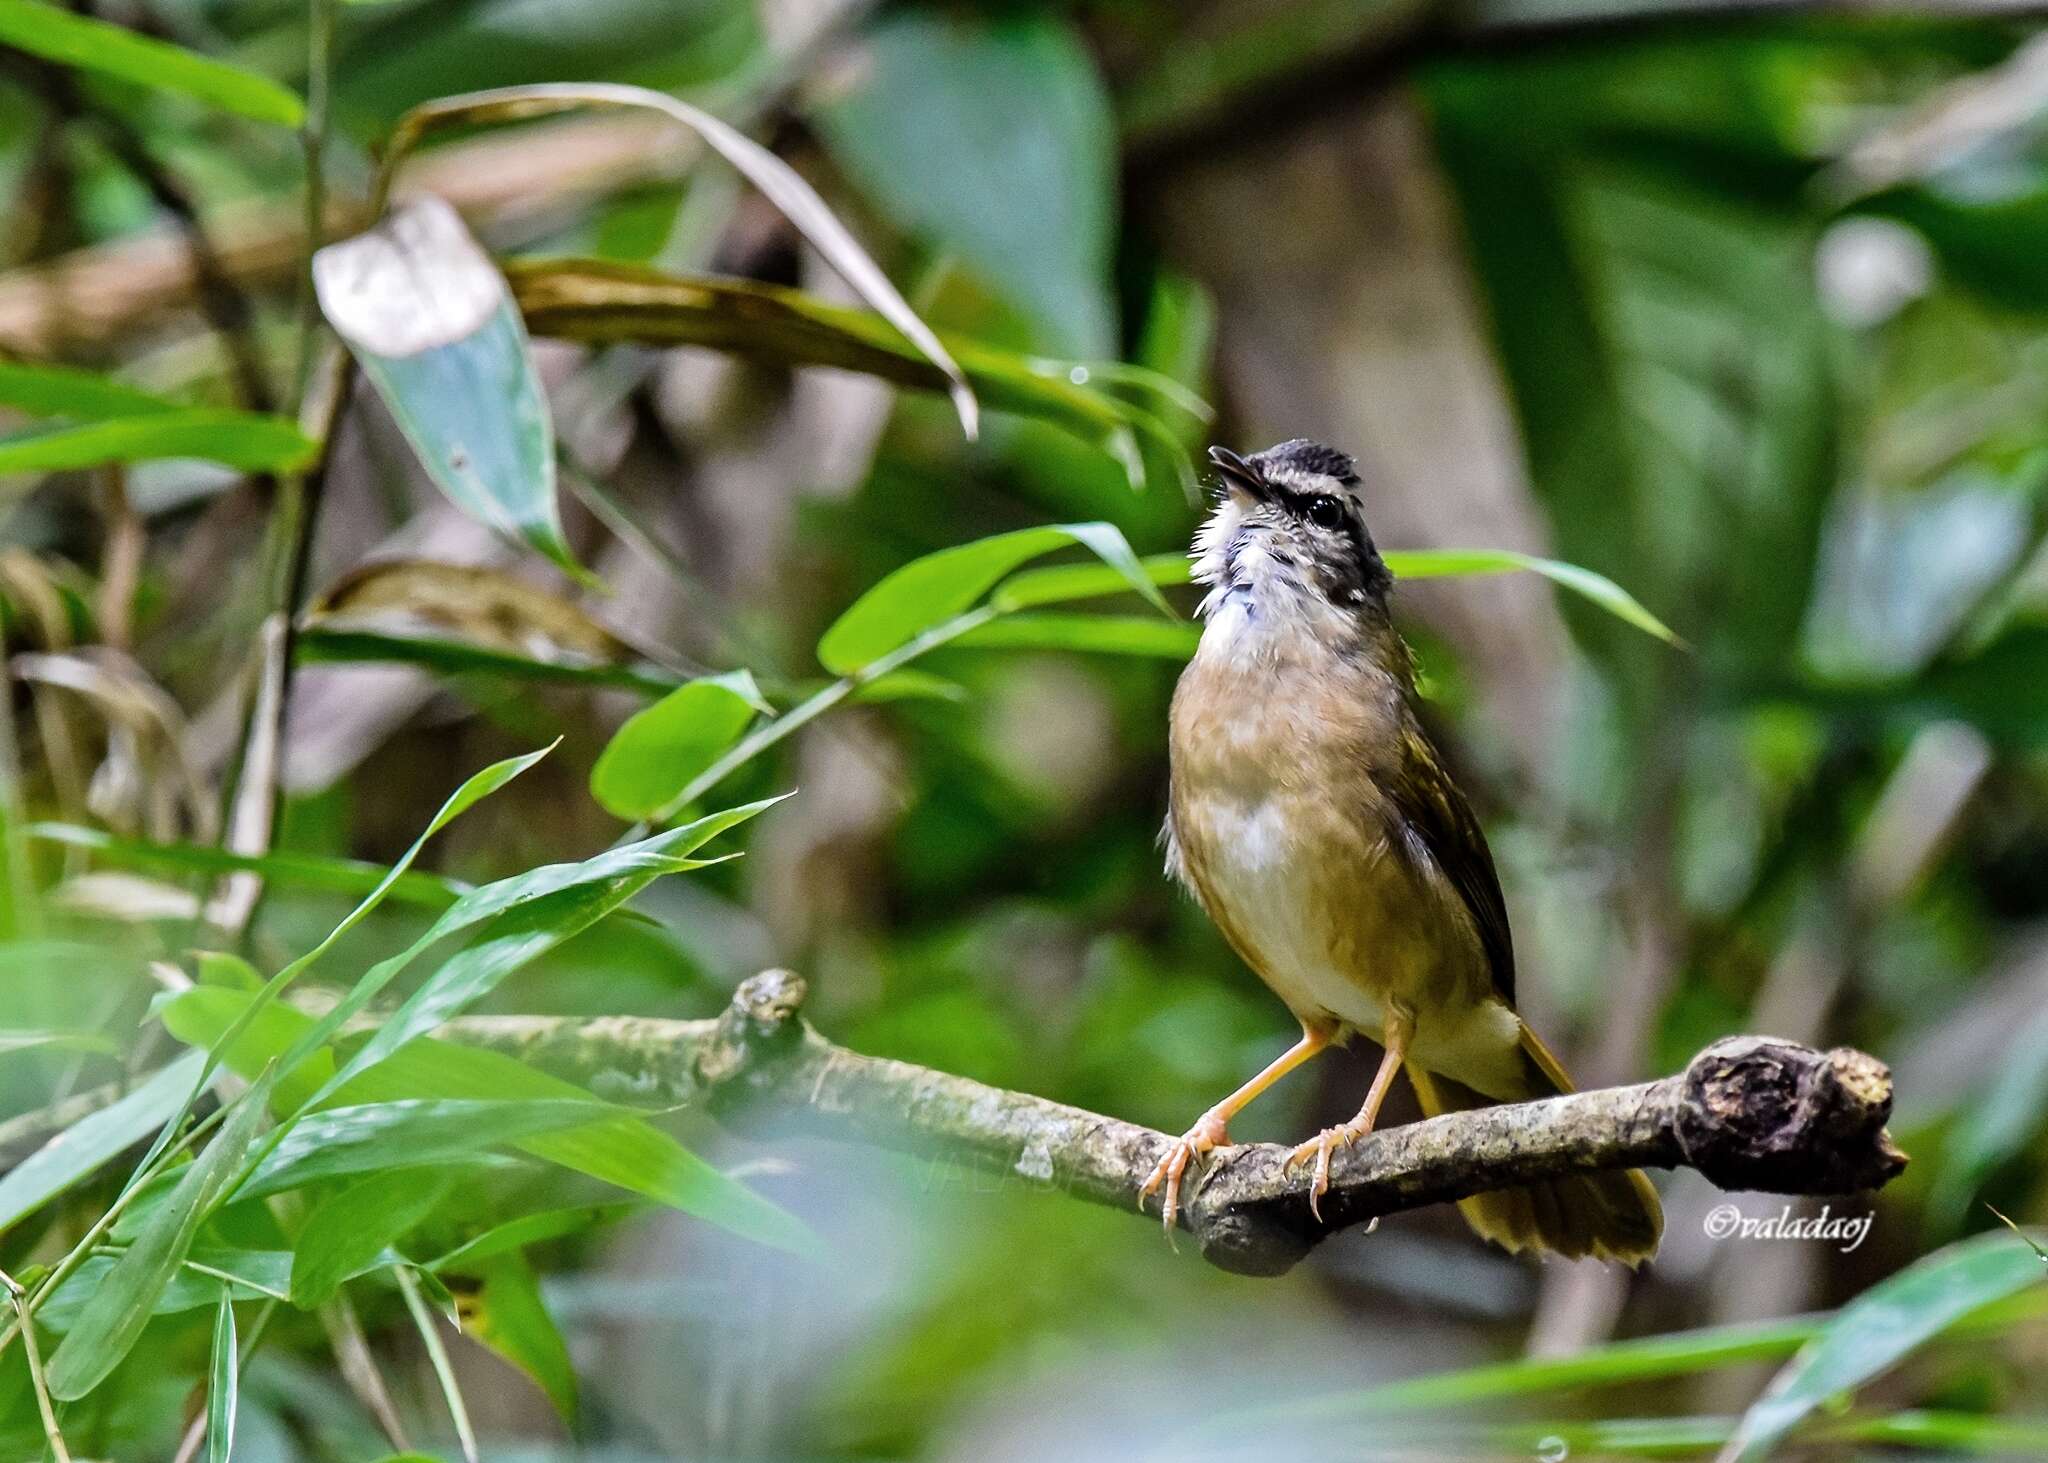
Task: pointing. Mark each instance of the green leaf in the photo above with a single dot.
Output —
(993, 138)
(346, 1234)
(1881, 1327)
(249, 441)
(1098, 634)
(60, 391)
(223, 1384)
(308, 870)
(545, 906)
(928, 591)
(113, 1319)
(414, 1132)
(659, 750)
(251, 1275)
(328, 645)
(1602, 591)
(506, 1314)
(94, 45)
(1064, 582)
(529, 1229)
(76, 1041)
(1998, 1123)
(96, 1139)
(477, 786)
(627, 1152)
(429, 319)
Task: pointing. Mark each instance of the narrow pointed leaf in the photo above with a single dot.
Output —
(1144, 635)
(1881, 1327)
(414, 1132)
(96, 1139)
(347, 1232)
(94, 45)
(659, 750)
(113, 1319)
(62, 391)
(249, 441)
(930, 590)
(628, 1152)
(224, 1383)
(506, 1313)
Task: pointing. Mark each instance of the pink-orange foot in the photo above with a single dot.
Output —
(1209, 1132)
(1321, 1146)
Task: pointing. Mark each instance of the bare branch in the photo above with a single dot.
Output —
(1748, 1112)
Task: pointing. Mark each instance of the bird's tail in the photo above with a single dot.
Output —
(1609, 1216)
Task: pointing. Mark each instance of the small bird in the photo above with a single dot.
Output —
(1313, 819)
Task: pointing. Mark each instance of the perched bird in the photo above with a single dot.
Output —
(1314, 821)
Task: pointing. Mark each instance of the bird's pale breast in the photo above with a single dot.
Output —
(1307, 869)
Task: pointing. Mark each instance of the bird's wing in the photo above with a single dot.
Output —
(1437, 815)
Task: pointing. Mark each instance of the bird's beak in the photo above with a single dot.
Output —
(1239, 475)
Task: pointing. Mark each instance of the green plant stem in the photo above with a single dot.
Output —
(19, 1299)
(313, 137)
(430, 1337)
(149, 1168)
(769, 733)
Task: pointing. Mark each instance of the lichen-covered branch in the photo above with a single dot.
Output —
(1748, 1113)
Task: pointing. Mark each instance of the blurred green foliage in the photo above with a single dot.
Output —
(1738, 316)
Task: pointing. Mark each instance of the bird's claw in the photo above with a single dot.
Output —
(1208, 1133)
(1322, 1145)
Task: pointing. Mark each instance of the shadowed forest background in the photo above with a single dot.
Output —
(1742, 308)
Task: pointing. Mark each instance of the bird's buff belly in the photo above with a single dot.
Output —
(1339, 927)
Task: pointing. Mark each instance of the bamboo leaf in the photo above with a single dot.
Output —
(553, 902)
(1882, 1326)
(1602, 591)
(1143, 635)
(96, 1139)
(506, 1313)
(223, 1386)
(113, 1319)
(627, 1152)
(407, 1133)
(660, 749)
(62, 391)
(429, 319)
(94, 45)
(249, 441)
(327, 644)
(346, 1234)
(529, 1229)
(312, 871)
(930, 590)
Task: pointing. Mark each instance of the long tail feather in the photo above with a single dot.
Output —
(1608, 1216)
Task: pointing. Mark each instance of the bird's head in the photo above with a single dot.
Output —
(1287, 539)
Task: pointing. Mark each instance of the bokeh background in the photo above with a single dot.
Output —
(1741, 306)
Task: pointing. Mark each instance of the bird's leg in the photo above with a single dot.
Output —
(1400, 1027)
(1211, 1129)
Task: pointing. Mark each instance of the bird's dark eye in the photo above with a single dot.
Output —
(1325, 512)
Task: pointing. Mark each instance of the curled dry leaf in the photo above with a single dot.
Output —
(781, 184)
(472, 603)
(146, 780)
